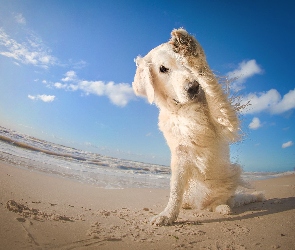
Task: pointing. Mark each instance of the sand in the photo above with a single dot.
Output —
(41, 211)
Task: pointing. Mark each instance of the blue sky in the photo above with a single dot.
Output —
(66, 69)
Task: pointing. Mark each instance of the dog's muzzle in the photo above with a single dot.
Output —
(192, 89)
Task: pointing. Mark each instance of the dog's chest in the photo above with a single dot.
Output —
(182, 128)
(177, 125)
(189, 126)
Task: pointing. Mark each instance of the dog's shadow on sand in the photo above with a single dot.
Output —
(250, 211)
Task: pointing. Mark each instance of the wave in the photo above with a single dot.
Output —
(107, 172)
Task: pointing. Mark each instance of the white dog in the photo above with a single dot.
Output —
(198, 122)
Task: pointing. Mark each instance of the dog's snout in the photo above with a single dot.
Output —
(192, 89)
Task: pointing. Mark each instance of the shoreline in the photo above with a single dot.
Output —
(41, 211)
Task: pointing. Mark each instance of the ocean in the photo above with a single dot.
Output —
(102, 171)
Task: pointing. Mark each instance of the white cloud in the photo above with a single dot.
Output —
(31, 97)
(19, 18)
(119, 94)
(245, 70)
(255, 124)
(44, 98)
(31, 52)
(69, 76)
(261, 101)
(287, 103)
(92, 87)
(270, 101)
(59, 85)
(287, 144)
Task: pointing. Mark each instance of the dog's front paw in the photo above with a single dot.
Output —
(163, 219)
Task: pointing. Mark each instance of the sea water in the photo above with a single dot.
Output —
(105, 172)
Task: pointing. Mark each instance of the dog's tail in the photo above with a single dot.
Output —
(241, 198)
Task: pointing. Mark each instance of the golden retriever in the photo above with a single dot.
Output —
(198, 122)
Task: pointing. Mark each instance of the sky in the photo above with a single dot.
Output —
(66, 70)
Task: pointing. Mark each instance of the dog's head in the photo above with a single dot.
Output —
(163, 74)
(176, 73)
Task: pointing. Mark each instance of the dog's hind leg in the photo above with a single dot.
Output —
(193, 194)
(241, 198)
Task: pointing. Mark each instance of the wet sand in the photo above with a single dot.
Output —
(41, 211)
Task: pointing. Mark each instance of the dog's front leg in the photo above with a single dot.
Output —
(177, 184)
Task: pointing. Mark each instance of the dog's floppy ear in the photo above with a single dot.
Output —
(143, 84)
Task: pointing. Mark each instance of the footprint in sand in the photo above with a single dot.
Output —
(34, 213)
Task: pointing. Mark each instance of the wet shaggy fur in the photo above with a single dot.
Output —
(198, 122)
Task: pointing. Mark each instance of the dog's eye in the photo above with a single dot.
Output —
(163, 69)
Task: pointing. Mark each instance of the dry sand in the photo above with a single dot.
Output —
(41, 211)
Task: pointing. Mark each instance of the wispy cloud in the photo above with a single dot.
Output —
(255, 124)
(245, 70)
(31, 52)
(119, 94)
(28, 47)
(19, 18)
(44, 98)
(78, 65)
(270, 101)
(287, 144)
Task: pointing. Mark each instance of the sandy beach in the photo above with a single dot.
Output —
(42, 211)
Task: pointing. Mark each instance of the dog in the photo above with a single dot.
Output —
(197, 120)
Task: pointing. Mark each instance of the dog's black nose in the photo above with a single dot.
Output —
(192, 89)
